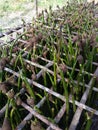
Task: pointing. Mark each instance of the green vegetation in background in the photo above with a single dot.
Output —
(12, 5)
(18, 5)
(53, 3)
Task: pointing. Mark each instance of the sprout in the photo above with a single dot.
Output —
(3, 62)
(33, 76)
(3, 87)
(80, 59)
(35, 125)
(18, 101)
(63, 67)
(31, 101)
(11, 94)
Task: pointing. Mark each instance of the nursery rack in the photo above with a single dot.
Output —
(10, 38)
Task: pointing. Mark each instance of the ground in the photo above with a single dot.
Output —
(13, 11)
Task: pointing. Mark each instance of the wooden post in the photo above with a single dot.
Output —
(36, 7)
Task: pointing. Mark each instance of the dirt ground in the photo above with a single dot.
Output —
(15, 18)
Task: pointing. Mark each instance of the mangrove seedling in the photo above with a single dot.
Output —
(6, 123)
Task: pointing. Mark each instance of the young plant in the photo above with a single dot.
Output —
(6, 123)
(28, 87)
